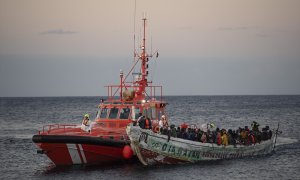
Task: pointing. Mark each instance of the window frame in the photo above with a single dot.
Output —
(115, 115)
(107, 110)
(128, 116)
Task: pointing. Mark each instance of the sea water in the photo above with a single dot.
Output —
(21, 118)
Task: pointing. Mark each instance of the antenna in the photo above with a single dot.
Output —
(151, 46)
(134, 19)
(134, 41)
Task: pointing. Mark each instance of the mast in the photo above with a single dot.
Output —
(143, 57)
(140, 82)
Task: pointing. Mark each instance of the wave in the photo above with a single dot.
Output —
(285, 140)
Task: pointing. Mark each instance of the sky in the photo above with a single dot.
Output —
(76, 47)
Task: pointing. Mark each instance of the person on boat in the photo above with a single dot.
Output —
(173, 130)
(257, 136)
(135, 121)
(243, 136)
(231, 137)
(204, 137)
(199, 135)
(163, 124)
(218, 137)
(224, 138)
(254, 126)
(183, 133)
(183, 126)
(269, 132)
(251, 138)
(85, 125)
(160, 122)
(191, 134)
(178, 130)
(147, 124)
(141, 121)
(264, 134)
(210, 138)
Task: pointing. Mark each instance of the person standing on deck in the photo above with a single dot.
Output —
(147, 124)
(86, 123)
(141, 121)
(224, 138)
(161, 121)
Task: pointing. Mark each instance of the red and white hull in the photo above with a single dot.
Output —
(68, 150)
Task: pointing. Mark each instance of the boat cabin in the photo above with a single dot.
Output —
(117, 113)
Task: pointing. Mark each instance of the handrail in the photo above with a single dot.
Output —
(151, 90)
(49, 127)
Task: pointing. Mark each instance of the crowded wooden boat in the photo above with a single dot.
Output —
(189, 144)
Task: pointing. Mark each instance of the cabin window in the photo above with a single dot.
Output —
(135, 113)
(103, 113)
(113, 113)
(149, 113)
(124, 113)
(154, 113)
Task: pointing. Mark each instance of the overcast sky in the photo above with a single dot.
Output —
(76, 47)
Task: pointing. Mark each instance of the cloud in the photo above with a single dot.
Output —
(58, 32)
(237, 28)
(184, 27)
(249, 29)
(225, 29)
(262, 35)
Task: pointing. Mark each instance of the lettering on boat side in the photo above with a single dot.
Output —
(143, 137)
(192, 154)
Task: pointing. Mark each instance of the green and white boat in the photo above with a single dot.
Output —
(153, 148)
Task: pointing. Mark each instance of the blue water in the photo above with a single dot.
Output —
(20, 118)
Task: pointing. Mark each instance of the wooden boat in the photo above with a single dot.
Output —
(153, 148)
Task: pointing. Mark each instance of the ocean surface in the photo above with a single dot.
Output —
(20, 119)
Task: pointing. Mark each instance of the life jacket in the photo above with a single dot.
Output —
(147, 124)
(155, 129)
(244, 134)
(219, 139)
(252, 139)
(183, 126)
(225, 139)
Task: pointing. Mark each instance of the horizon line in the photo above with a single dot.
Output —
(157, 96)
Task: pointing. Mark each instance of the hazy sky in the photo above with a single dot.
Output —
(207, 47)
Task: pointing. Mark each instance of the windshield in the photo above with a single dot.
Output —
(124, 113)
(103, 113)
(113, 113)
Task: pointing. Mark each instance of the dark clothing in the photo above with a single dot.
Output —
(173, 132)
(142, 122)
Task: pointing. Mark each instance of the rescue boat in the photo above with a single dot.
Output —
(106, 140)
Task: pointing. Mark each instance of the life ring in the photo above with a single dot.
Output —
(155, 129)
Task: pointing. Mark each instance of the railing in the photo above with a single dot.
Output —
(48, 128)
(150, 91)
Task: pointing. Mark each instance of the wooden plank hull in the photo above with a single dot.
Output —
(152, 148)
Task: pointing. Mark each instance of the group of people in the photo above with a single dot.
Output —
(242, 136)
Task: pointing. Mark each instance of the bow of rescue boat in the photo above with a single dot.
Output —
(67, 145)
